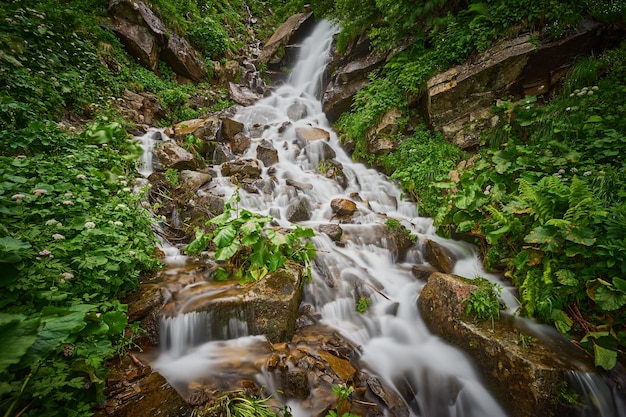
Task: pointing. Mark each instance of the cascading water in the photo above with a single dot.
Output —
(434, 378)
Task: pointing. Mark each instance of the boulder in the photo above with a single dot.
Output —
(242, 95)
(310, 134)
(458, 101)
(333, 231)
(275, 52)
(242, 168)
(438, 256)
(170, 155)
(239, 143)
(139, 42)
(136, 12)
(528, 379)
(192, 180)
(206, 130)
(266, 153)
(319, 151)
(350, 71)
(230, 128)
(183, 59)
(343, 206)
(380, 138)
(297, 110)
(299, 210)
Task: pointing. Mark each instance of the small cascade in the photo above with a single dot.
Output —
(433, 378)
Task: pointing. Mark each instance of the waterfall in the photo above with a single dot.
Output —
(434, 378)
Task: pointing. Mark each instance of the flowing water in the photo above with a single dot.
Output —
(434, 378)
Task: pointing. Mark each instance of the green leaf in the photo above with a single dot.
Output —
(17, 334)
(275, 237)
(594, 119)
(116, 320)
(580, 235)
(276, 261)
(604, 358)
(227, 252)
(546, 236)
(225, 236)
(11, 249)
(54, 331)
(566, 277)
(609, 299)
(620, 284)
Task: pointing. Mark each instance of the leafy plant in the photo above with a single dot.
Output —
(343, 392)
(484, 302)
(363, 304)
(243, 404)
(171, 176)
(249, 249)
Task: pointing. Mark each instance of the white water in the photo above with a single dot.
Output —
(435, 379)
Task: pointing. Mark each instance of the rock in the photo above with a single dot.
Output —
(291, 32)
(142, 108)
(242, 95)
(380, 139)
(527, 380)
(296, 383)
(319, 151)
(139, 42)
(206, 130)
(299, 185)
(230, 128)
(240, 143)
(351, 70)
(333, 231)
(222, 154)
(171, 155)
(422, 272)
(136, 12)
(439, 257)
(242, 168)
(458, 101)
(333, 170)
(299, 210)
(310, 134)
(180, 56)
(297, 110)
(266, 153)
(192, 180)
(343, 206)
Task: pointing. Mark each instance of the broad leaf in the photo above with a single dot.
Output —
(225, 253)
(545, 236)
(54, 332)
(620, 284)
(566, 277)
(580, 235)
(609, 299)
(16, 336)
(116, 320)
(604, 358)
(224, 236)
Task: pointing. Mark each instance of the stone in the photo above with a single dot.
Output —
(242, 168)
(230, 128)
(296, 383)
(439, 257)
(460, 99)
(527, 379)
(299, 210)
(299, 185)
(290, 32)
(242, 95)
(297, 110)
(192, 180)
(136, 12)
(139, 42)
(310, 134)
(319, 151)
(266, 153)
(341, 367)
(205, 129)
(380, 139)
(343, 206)
(171, 155)
(179, 55)
(422, 272)
(240, 143)
(333, 231)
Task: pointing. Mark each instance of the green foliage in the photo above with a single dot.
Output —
(247, 249)
(484, 302)
(363, 304)
(344, 392)
(79, 238)
(243, 404)
(171, 176)
(551, 206)
(210, 37)
(421, 163)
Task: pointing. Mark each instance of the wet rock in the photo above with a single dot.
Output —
(296, 382)
(240, 143)
(299, 210)
(242, 168)
(206, 130)
(280, 50)
(422, 272)
(527, 379)
(333, 170)
(392, 400)
(192, 180)
(340, 367)
(222, 154)
(351, 70)
(380, 139)
(142, 108)
(230, 128)
(310, 134)
(299, 185)
(180, 56)
(439, 257)
(297, 110)
(266, 153)
(319, 151)
(242, 95)
(139, 42)
(170, 155)
(458, 101)
(343, 206)
(334, 231)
